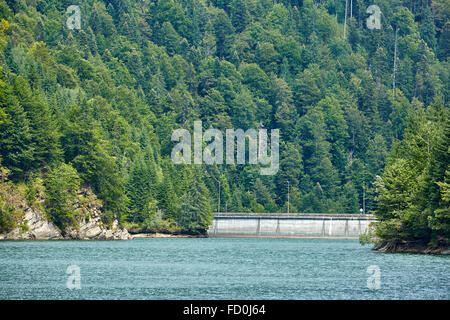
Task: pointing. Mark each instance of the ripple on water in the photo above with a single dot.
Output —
(217, 268)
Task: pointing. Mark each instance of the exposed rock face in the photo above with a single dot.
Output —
(39, 228)
(90, 226)
(94, 229)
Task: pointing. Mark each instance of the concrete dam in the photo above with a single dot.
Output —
(303, 225)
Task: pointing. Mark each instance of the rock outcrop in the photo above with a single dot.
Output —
(35, 226)
(94, 229)
(89, 226)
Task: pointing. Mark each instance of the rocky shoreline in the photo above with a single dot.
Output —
(39, 228)
(165, 235)
(410, 247)
(35, 225)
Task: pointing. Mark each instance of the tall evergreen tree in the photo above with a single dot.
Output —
(195, 211)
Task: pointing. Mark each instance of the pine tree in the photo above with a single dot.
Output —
(16, 145)
(428, 29)
(139, 189)
(195, 211)
(239, 14)
(291, 170)
(43, 126)
(223, 29)
(439, 162)
(61, 185)
(306, 91)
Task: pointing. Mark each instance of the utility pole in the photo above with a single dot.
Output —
(218, 203)
(395, 60)
(364, 198)
(288, 197)
(345, 20)
(218, 200)
(351, 8)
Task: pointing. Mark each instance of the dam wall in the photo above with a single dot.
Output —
(313, 225)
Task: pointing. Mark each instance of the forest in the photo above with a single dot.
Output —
(362, 113)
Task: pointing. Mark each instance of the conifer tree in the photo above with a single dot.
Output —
(195, 210)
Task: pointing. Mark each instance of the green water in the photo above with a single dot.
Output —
(217, 268)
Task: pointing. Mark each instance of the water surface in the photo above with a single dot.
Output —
(217, 268)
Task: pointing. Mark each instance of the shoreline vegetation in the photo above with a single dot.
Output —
(413, 194)
(412, 247)
(441, 245)
(88, 113)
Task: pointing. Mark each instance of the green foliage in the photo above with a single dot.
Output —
(61, 185)
(369, 236)
(155, 222)
(195, 211)
(141, 187)
(4, 25)
(105, 99)
(15, 137)
(10, 216)
(428, 29)
(413, 191)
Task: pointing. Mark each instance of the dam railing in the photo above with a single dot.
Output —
(296, 225)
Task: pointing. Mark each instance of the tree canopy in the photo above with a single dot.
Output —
(96, 106)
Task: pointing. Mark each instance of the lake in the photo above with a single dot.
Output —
(218, 268)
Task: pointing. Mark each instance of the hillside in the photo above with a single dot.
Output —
(95, 108)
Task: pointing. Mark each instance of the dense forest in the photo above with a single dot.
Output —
(95, 107)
